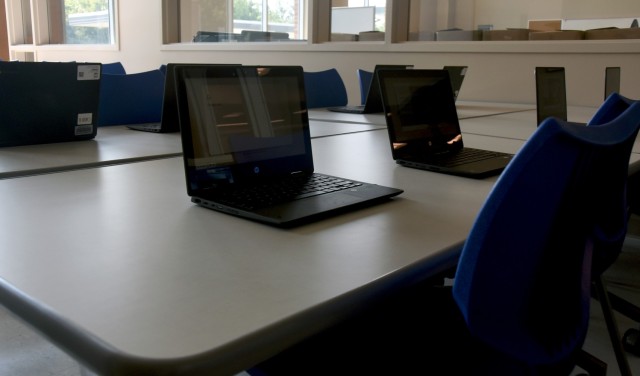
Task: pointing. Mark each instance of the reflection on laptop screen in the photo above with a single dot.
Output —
(427, 120)
(240, 116)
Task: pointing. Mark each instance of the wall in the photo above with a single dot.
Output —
(495, 73)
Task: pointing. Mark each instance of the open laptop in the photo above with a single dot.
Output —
(423, 126)
(245, 131)
(373, 103)
(46, 102)
(611, 81)
(551, 93)
(457, 74)
(169, 116)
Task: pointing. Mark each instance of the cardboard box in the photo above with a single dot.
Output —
(341, 37)
(505, 35)
(458, 35)
(557, 35)
(545, 25)
(613, 33)
(371, 36)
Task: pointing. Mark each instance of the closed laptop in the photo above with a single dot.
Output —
(45, 102)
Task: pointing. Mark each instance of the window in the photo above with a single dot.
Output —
(41, 22)
(241, 20)
(82, 21)
(354, 20)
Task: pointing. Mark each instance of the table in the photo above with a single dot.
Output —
(119, 144)
(112, 145)
(118, 267)
(136, 277)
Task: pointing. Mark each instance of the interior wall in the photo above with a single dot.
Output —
(503, 77)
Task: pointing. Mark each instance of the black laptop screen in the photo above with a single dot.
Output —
(243, 123)
(421, 110)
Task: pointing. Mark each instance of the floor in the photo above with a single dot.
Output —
(25, 353)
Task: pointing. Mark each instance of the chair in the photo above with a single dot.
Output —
(324, 89)
(131, 98)
(113, 68)
(523, 278)
(520, 299)
(614, 105)
(364, 79)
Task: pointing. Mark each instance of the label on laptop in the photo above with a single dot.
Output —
(85, 124)
(88, 72)
(83, 130)
(85, 118)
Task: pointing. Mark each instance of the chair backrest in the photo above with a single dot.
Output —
(113, 68)
(605, 253)
(131, 98)
(523, 278)
(364, 79)
(324, 89)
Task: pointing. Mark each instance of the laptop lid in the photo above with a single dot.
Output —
(373, 103)
(45, 102)
(611, 81)
(457, 74)
(244, 126)
(551, 93)
(423, 125)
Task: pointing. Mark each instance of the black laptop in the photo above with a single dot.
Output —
(169, 116)
(423, 126)
(247, 147)
(457, 73)
(373, 102)
(611, 81)
(46, 102)
(551, 93)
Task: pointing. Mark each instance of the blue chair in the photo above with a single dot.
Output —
(614, 105)
(524, 275)
(364, 80)
(113, 68)
(131, 98)
(324, 89)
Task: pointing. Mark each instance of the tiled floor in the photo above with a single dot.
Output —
(24, 353)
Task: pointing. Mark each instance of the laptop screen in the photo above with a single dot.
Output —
(240, 123)
(421, 111)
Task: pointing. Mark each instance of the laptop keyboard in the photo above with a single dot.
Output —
(470, 155)
(286, 190)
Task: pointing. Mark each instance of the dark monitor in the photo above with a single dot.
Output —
(551, 94)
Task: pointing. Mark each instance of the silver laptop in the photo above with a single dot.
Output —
(247, 147)
(46, 102)
(423, 126)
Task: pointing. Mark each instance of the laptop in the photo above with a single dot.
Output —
(611, 81)
(245, 132)
(373, 103)
(457, 74)
(551, 93)
(46, 102)
(169, 116)
(423, 126)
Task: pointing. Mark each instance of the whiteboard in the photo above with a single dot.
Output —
(353, 20)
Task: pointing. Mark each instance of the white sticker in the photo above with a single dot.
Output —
(82, 130)
(85, 118)
(88, 72)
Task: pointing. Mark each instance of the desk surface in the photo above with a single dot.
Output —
(119, 144)
(136, 274)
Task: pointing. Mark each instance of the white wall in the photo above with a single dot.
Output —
(495, 75)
